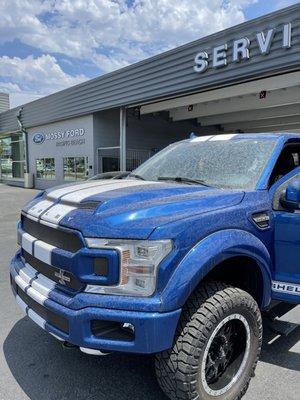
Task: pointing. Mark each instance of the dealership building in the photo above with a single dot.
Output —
(245, 78)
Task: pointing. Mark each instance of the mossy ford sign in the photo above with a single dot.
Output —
(241, 49)
(40, 137)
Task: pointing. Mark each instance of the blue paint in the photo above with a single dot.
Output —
(135, 215)
(154, 331)
(212, 250)
(207, 226)
(287, 247)
(293, 192)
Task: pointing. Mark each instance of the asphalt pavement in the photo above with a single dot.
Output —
(34, 365)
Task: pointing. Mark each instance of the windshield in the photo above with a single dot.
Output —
(236, 164)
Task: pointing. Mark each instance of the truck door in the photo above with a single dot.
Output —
(286, 273)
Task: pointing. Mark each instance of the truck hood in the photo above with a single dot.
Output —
(126, 208)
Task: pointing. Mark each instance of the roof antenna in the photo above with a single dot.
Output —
(193, 135)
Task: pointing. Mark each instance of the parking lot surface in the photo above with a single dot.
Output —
(33, 365)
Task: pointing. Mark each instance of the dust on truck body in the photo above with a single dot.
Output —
(178, 259)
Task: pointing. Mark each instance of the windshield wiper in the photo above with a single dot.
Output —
(136, 177)
(183, 180)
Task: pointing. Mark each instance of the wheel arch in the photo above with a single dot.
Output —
(241, 271)
(221, 255)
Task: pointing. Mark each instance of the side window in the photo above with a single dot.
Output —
(287, 161)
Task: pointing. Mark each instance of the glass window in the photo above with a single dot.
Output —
(12, 156)
(110, 164)
(75, 168)
(228, 164)
(45, 168)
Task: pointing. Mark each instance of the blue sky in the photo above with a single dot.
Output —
(48, 45)
(256, 9)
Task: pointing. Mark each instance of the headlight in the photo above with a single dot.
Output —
(139, 261)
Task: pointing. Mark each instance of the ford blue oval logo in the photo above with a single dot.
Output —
(39, 138)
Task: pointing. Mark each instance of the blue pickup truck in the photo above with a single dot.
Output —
(177, 259)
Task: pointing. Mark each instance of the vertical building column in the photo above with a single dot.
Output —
(25, 139)
(123, 139)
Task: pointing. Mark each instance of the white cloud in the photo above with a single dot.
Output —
(33, 77)
(85, 28)
(17, 96)
(107, 33)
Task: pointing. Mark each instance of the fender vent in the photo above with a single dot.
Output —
(261, 220)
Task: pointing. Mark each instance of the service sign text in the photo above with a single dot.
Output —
(241, 49)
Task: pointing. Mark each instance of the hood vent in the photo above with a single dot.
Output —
(86, 205)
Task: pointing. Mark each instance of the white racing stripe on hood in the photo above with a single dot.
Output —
(77, 197)
(57, 213)
(218, 138)
(201, 139)
(57, 193)
(39, 208)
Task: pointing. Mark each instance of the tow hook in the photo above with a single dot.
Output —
(68, 345)
(94, 352)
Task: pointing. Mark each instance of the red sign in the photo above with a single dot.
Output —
(263, 94)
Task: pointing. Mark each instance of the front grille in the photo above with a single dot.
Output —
(49, 316)
(59, 238)
(53, 273)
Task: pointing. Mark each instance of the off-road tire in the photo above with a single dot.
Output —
(178, 369)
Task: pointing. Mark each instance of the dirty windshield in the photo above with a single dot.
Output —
(235, 163)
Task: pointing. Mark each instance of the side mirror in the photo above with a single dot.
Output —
(291, 198)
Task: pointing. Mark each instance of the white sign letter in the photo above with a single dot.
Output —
(287, 36)
(264, 42)
(201, 62)
(241, 49)
(219, 56)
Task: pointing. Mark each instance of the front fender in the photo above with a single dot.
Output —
(208, 253)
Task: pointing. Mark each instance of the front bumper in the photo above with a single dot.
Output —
(153, 331)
